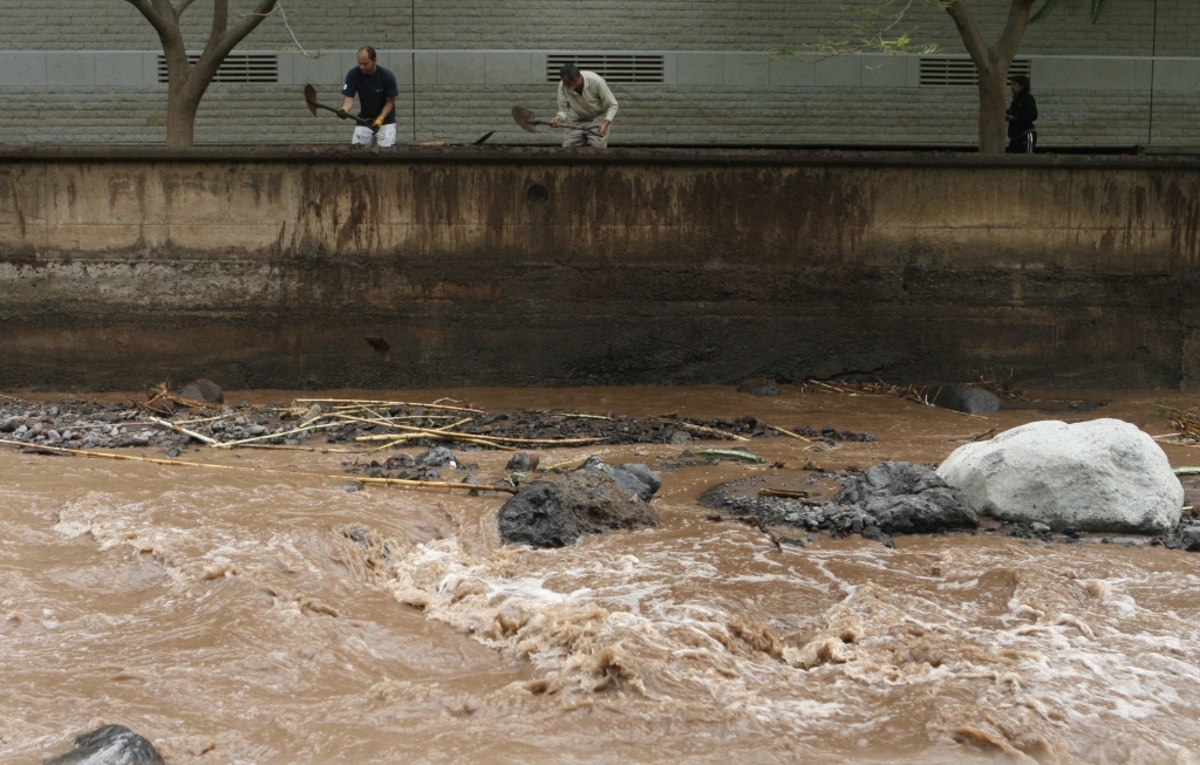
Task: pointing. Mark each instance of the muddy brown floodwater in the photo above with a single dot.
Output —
(227, 617)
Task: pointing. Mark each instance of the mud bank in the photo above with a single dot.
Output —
(314, 267)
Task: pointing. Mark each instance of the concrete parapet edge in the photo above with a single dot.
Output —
(330, 153)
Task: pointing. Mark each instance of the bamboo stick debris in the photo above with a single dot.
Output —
(483, 438)
(571, 461)
(189, 433)
(268, 436)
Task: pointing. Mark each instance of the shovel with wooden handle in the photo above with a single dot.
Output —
(526, 120)
(310, 97)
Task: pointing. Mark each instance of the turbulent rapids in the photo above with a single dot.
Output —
(267, 616)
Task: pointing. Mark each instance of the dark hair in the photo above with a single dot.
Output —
(370, 51)
(568, 72)
(1021, 80)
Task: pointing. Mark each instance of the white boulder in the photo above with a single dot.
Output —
(1103, 475)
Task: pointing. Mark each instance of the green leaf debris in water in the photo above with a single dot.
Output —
(737, 455)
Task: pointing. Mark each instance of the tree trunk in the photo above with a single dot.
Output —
(187, 81)
(993, 127)
(991, 63)
(181, 120)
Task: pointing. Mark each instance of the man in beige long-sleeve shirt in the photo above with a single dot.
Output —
(584, 98)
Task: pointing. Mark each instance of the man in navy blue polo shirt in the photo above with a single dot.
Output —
(376, 90)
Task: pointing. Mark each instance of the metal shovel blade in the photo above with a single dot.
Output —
(524, 118)
(310, 98)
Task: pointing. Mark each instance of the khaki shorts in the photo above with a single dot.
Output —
(364, 137)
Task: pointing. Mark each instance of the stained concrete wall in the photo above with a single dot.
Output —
(270, 268)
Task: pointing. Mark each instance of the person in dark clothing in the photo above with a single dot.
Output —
(376, 90)
(1022, 113)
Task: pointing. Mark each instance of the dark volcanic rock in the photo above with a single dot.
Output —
(203, 390)
(759, 386)
(439, 456)
(904, 498)
(587, 501)
(1190, 538)
(110, 745)
(963, 398)
(522, 462)
(638, 478)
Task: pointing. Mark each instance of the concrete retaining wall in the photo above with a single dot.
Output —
(272, 267)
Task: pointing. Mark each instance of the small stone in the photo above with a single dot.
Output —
(1039, 528)
(258, 430)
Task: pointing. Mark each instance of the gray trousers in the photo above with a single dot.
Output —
(580, 137)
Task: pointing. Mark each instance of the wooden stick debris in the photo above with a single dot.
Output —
(702, 429)
(787, 432)
(246, 468)
(799, 497)
(372, 402)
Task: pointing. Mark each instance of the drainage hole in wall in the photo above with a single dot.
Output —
(537, 194)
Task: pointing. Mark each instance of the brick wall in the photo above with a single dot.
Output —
(1102, 97)
(1178, 28)
(1128, 28)
(117, 25)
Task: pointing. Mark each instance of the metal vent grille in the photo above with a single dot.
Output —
(627, 68)
(944, 71)
(247, 67)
